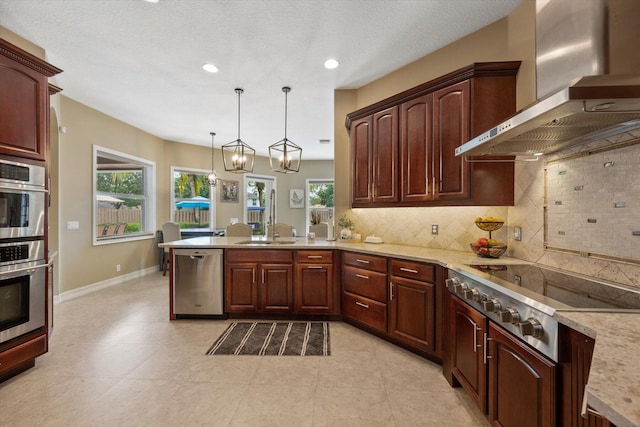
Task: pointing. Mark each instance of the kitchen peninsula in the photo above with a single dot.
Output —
(612, 388)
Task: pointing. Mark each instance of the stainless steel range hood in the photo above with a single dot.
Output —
(573, 37)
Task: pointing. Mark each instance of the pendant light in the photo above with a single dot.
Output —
(212, 177)
(238, 157)
(284, 155)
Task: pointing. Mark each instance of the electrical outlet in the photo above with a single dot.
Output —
(517, 233)
(117, 267)
(434, 229)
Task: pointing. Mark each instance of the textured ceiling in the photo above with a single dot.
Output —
(141, 62)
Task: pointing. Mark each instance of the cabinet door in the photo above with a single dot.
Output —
(468, 328)
(361, 157)
(24, 103)
(576, 352)
(314, 288)
(451, 111)
(385, 155)
(411, 312)
(416, 146)
(522, 385)
(240, 287)
(276, 287)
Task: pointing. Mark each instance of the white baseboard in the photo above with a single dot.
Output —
(75, 293)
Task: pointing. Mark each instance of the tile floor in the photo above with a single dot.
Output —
(116, 360)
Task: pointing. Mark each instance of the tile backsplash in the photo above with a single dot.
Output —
(456, 228)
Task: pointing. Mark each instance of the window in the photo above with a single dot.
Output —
(193, 199)
(319, 201)
(123, 195)
(256, 203)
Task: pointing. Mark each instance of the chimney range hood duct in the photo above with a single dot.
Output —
(574, 38)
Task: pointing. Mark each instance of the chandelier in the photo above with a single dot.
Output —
(284, 155)
(238, 157)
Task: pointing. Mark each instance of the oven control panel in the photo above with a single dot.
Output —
(14, 253)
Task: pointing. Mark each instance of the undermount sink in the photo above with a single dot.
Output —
(266, 242)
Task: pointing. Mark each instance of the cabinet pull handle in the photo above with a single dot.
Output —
(486, 348)
(314, 256)
(475, 336)
(362, 276)
(409, 270)
(314, 266)
(262, 276)
(253, 275)
(391, 291)
(364, 261)
(361, 304)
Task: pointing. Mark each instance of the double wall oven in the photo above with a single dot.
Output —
(22, 249)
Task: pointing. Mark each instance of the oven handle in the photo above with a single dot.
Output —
(20, 270)
(39, 190)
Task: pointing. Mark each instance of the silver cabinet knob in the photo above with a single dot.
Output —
(510, 315)
(492, 305)
(531, 327)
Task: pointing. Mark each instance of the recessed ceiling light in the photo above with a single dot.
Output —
(210, 68)
(152, 1)
(330, 64)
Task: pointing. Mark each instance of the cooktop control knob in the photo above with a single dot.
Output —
(459, 288)
(509, 315)
(492, 305)
(472, 293)
(451, 282)
(531, 327)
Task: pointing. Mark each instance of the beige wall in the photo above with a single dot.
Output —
(82, 264)
(511, 38)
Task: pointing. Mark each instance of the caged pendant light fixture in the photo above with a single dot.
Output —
(238, 157)
(284, 155)
(212, 177)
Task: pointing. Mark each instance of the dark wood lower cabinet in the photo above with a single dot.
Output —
(467, 328)
(576, 352)
(509, 381)
(314, 288)
(412, 312)
(522, 384)
(276, 287)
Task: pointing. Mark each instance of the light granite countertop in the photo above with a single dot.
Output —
(613, 387)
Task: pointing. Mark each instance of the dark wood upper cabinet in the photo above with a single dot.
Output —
(361, 137)
(385, 155)
(403, 147)
(24, 103)
(416, 136)
(451, 129)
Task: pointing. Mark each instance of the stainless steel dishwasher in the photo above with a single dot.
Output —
(197, 282)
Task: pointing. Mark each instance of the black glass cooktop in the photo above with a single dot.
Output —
(568, 288)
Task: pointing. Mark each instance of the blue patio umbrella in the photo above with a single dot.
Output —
(197, 202)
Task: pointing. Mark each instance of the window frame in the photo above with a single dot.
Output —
(149, 195)
(308, 183)
(212, 197)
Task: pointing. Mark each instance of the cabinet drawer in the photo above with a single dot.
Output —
(369, 262)
(367, 283)
(258, 255)
(314, 257)
(365, 310)
(23, 352)
(413, 270)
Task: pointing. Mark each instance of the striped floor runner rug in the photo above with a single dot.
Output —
(274, 339)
